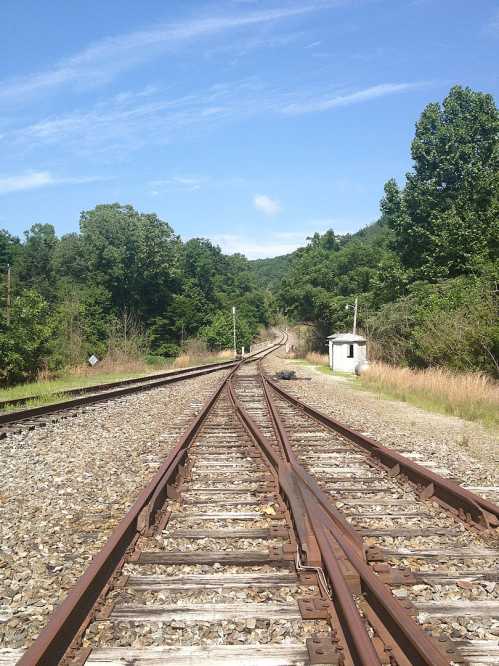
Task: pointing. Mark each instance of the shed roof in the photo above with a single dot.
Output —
(346, 337)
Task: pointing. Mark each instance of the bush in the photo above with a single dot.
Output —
(453, 324)
(24, 344)
(155, 360)
(219, 333)
(167, 349)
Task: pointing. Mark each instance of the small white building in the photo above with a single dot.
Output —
(346, 351)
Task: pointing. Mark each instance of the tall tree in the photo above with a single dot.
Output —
(132, 255)
(35, 265)
(447, 219)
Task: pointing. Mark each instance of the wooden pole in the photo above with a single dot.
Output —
(234, 328)
(8, 294)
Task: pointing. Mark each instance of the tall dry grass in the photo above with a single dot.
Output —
(317, 359)
(472, 395)
(186, 359)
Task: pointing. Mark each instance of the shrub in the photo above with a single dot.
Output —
(24, 343)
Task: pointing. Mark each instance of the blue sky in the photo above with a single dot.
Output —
(253, 123)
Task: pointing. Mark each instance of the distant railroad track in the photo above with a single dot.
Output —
(274, 535)
(95, 388)
(98, 393)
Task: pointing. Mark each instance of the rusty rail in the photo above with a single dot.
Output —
(74, 613)
(475, 510)
(332, 532)
(83, 390)
(33, 412)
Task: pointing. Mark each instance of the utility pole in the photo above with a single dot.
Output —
(234, 328)
(8, 295)
(349, 306)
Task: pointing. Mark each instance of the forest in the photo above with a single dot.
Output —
(426, 273)
(126, 282)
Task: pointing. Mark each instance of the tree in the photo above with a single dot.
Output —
(446, 221)
(24, 344)
(219, 333)
(9, 248)
(133, 256)
(35, 264)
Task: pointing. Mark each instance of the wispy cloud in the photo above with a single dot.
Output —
(100, 62)
(373, 92)
(131, 120)
(266, 204)
(36, 179)
(182, 183)
(125, 122)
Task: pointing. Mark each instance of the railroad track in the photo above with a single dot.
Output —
(31, 417)
(274, 535)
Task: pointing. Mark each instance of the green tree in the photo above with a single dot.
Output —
(133, 256)
(34, 268)
(24, 344)
(446, 221)
(219, 333)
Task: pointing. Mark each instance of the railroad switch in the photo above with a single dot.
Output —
(322, 649)
(315, 608)
(278, 554)
(308, 579)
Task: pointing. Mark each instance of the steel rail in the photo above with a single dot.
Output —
(83, 390)
(473, 509)
(74, 613)
(359, 643)
(129, 386)
(33, 412)
(331, 533)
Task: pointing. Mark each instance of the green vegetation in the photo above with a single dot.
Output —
(427, 272)
(126, 286)
(269, 272)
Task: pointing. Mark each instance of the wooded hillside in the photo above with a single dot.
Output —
(427, 272)
(125, 280)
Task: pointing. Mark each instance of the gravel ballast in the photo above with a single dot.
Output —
(65, 486)
(456, 448)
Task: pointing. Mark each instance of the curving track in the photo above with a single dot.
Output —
(274, 535)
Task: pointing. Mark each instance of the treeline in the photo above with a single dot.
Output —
(427, 272)
(125, 283)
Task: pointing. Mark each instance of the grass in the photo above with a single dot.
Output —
(46, 390)
(321, 363)
(471, 396)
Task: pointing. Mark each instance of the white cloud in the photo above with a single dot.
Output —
(100, 62)
(254, 249)
(182, 183)
(128, 121)
(35, 179)
(373, 92)
(266, 204)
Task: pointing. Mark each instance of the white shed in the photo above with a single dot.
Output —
(346, 351)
